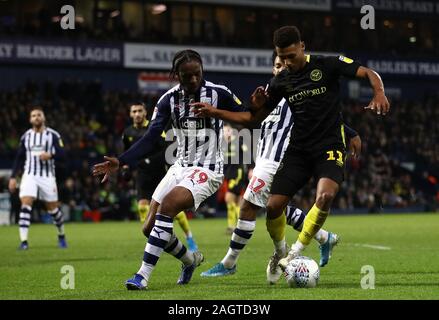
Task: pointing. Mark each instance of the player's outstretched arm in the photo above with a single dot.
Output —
(256, 115)
(379, 102)
(140, 149)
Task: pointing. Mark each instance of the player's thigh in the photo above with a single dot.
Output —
(201, 183)
(330, 163)
(48, 190)
(177, 200)
(168, 182)
(258, 189)
(293, 173)
(28, 188)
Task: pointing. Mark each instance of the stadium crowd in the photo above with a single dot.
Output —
(398, 167)
(404, 36)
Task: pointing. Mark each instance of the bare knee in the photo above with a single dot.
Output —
(324, 199)
(248, 211)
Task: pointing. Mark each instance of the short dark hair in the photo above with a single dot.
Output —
(137, 103)
(286, 36)
(36, 107)
(184, 56)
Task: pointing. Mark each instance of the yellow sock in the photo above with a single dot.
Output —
(143, 210)
(183, 222)
(276, 227)
(231, 215)
(313, 222)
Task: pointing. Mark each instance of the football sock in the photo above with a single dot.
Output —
(313, 221)
(276, 229)
(24, 221)
(183, 222)
(143, 210)
(295, 218)
(241, 235)
(176, 248)
(58, 220)
(231, 215)
(157, 241)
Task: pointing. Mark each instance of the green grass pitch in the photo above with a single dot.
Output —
(403, 250)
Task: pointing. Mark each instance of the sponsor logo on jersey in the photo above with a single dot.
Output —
(192, 123)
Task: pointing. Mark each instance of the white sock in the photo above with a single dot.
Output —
(58, 220)
(241, 235)
(298, 247)
(321, 236)
(177, 249)
(24, 222)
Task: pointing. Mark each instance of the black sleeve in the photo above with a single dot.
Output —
(350, 133)
(57, 151)
(159, 153)
(126, 143)
(229, 101)
(274, 91)
(143, 146)
(342, 66)
(19, 159)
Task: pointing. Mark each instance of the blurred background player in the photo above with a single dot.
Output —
(39, 148)
(273, 141)
(234, 175)
(150, 170)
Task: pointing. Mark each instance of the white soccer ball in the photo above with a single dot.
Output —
(302, 272)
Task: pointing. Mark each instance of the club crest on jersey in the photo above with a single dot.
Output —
(316, 75)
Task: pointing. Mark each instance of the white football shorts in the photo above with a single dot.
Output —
(258, 189)
(43, 188)
(201, 182)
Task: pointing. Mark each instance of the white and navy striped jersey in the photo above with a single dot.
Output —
(275, 133)
(199, 140)
(32, 145)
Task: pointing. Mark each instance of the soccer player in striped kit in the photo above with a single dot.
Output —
(273, 141)
(39, 148)
(198, 171)
(150, 171)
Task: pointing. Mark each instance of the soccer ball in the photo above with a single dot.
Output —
(302, 272)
